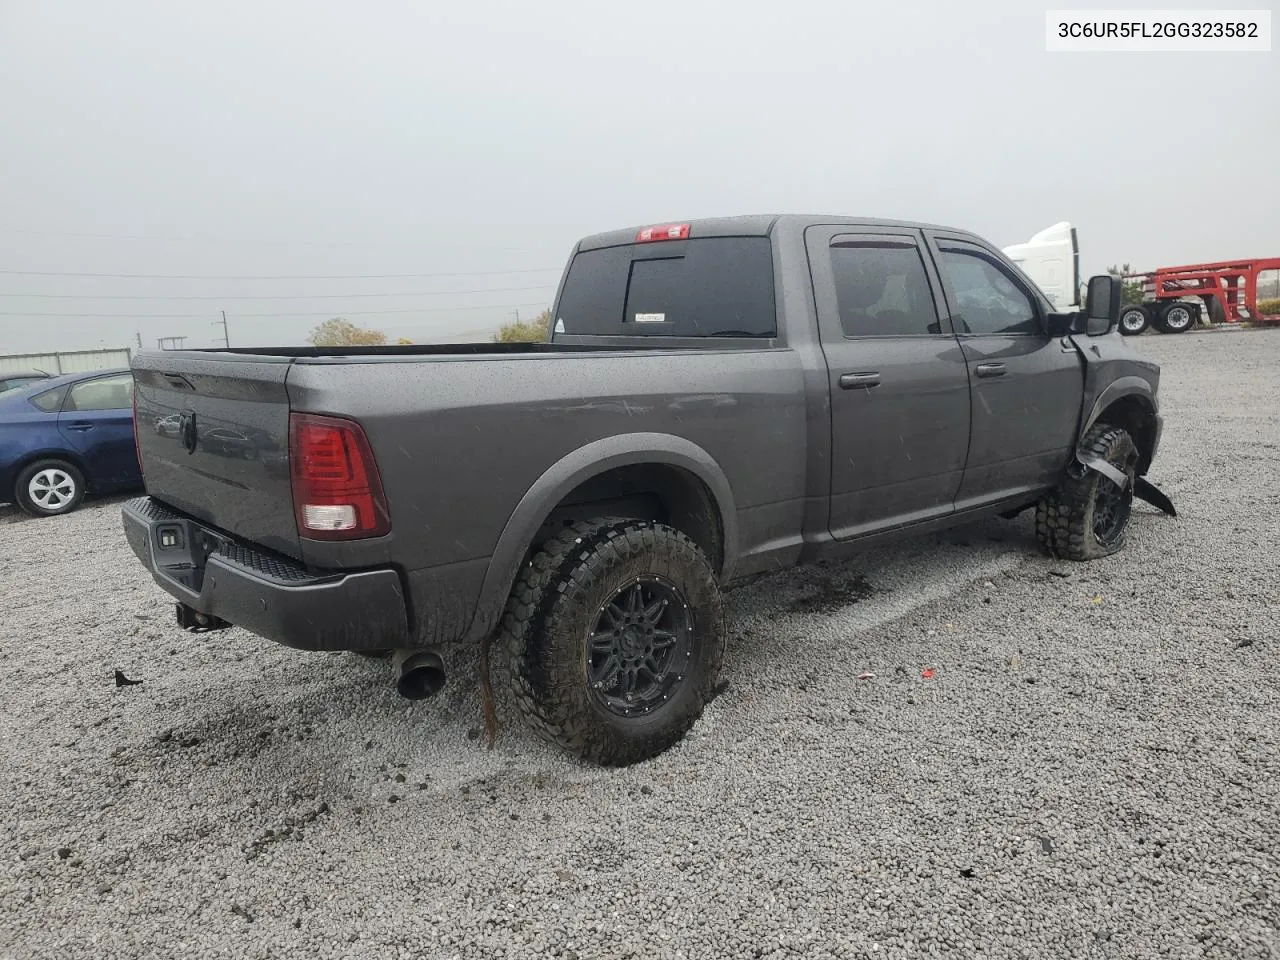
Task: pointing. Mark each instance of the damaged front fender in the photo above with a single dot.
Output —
(1143, 488)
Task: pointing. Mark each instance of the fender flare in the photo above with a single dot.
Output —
(572, 470)
(1127, 386)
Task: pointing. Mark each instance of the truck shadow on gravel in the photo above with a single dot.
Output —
(828, 587)
(346, 705)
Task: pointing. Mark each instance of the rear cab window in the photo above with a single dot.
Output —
(700, 287)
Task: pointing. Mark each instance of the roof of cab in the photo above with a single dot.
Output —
(756, 225)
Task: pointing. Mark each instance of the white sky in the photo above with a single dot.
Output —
(332, 139)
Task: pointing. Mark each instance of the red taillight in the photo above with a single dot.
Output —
(668, 231)
(337, 493)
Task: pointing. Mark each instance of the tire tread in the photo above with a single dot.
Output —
(551, 586)
(1064, 517)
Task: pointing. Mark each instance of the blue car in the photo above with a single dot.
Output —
(67, 436)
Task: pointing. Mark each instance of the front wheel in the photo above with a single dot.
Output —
(1087, 515)
(48, 488)
(615, 630)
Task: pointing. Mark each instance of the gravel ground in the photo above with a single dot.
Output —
(1091, 771)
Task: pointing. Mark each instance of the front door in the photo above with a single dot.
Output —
(1027, 386)
(898, 382)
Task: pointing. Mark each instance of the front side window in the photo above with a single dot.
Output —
(105, 393)
(987, 299)
(882, 289)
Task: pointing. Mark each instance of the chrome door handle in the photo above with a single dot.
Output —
(988, 370)
(850, 381)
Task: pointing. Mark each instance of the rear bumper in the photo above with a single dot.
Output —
(267, 594)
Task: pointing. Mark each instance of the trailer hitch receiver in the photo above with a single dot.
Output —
(191, 619)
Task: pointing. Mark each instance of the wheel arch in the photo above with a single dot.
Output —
(1129, 403)
(27, 459)
(690, 487)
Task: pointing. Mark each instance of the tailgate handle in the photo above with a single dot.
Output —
(178, 380)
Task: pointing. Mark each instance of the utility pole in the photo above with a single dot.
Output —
(138, 334)
(226, 337)
(517, 316)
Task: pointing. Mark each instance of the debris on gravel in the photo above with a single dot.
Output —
(1074, 778)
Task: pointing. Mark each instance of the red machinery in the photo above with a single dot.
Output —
(1229, 291)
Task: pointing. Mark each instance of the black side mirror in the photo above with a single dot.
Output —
(1102, 304)
(1061, 324)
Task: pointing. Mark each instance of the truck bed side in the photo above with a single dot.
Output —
(462, 444)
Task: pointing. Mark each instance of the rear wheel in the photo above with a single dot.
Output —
(1134, 319)
(1177, 317)
(1087, 515)
(48, 488)
(615, 630)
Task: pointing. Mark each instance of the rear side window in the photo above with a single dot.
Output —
(882, 290)
(51, 400)
(105, 393)
(715, 286)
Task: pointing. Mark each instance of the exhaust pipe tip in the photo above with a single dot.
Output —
(419, 673)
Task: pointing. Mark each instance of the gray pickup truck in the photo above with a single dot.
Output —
(716, 399)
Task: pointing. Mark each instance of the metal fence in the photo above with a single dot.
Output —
(71, 361)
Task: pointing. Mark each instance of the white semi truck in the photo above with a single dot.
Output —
(1052, 260)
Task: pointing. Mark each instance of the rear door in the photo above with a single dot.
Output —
(1027, 386)
(97, 423)
(898, 380)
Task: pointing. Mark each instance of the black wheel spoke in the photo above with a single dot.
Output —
(627, 681)
(637, 651)
(607, 675)
(652, 614)
(1111, 504)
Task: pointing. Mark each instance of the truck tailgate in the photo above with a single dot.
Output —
(213, 437)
